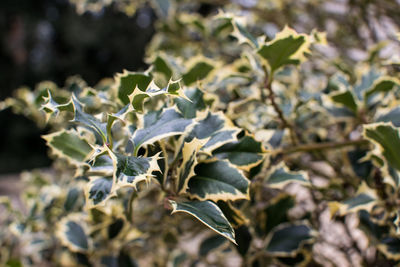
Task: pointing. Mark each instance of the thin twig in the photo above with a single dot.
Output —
(320, 146)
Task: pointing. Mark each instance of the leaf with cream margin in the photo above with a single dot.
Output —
(69, 145)
(387, 138)
(382, 85)
(239, 28)
(287, 48)
(199, 69)
(346, 98)
(138, 96)
(280, 176)
(288, 238)
(364, 199)
(245, 153)
(209, 214)
(158, 125)
(216, 127)
(72, 233)
(127, 81)
(218, 180)
(50, 106)
(130, 170)
(189, 161)
(98, 191)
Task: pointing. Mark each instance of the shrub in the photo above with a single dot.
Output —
(264, 141)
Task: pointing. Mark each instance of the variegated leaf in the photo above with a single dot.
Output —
(69, 145)
(288, 47)
(390, 247)
(382, 85)
(392, 116)
(276, 212)
(287, 239)
(364, 199)
(199, 69)
(217, 128)
(280, 176)
(347, 99)
(127, 81)
(50, 106)
(244, 153)
(138, 96)
(189, 161)
(196, 103)
(218, 180)
(388, 140)
(159, 125)
(98, 191)
(130, 170)
(73, 233)
(209, 214)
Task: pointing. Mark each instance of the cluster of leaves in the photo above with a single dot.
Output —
(226, 128)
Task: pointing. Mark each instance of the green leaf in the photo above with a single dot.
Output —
(189, 161)
(98, 191)
(160, 65)
(347, 99)
(288, 239)
(198, 71)
(281, 176)
(88, 120)
(364, 199)
(127, 81)
(129, 170)
(209, 214)
(69, 145)
(50, 106)
(235, 217)
(72, 234)
(71, 199)
(159, 125)
(244, 153)
(138, 96)
(196, 103)
(288, 47)
(216, 128)
(382, 85)
(218, 180)
(387, 138)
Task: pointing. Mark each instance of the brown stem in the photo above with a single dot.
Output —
(271, 97)
(320, 146)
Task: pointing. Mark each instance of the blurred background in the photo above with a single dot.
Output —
(53, 40)
(48, 40)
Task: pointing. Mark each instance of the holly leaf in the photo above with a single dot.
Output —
(138, 96)
(69, 145)
(287, 239)
(98, 191)
(196, 103)
(127, 81)
(159, 125)
(130, 170)
(280, 176)
(387, 139)
(73, 234)
(218, 180)
(245, 153)
(288, 48)
(200, 68)
(347, 99)
(209, 214)
(189, 161)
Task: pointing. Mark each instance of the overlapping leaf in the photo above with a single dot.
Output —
(189, 161)
(209, 214)
(216, 127)
(127, 81)
(288, 239)
(198, 70)
(98, 191)
(388, 140)
(281, 176)
(288, 47)
(73, 234)
(244, 153)
(159, 125)
(218, 180)
(69, 145)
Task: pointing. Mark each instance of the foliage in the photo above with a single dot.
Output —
(228, 129)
